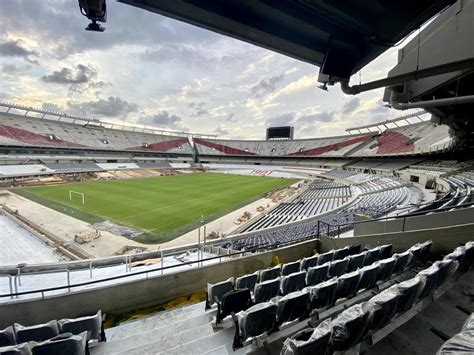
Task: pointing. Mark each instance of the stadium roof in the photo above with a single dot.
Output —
(339, 36)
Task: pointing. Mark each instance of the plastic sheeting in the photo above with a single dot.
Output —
(20, 349)
(461, 343)
(246, 281)
(371, 255)
(384, 308)
(7, 336)
(62, 344)
(38, 332)
(293, 282)
(408, 291)
(323, 294)
(324, 258)
(386, 267)
(257, 320)
(341, 253)
(290, 268)
(347, 284)
(446, 268)
(317, 274)
(307, 263)
(218, 290)
(402, 261)
(292, 306)
(356, 261)
(350, 326)
(91, 324)
(233, 302)
(266, 290)
(270, 273)
(430, 277)
(310, 341)
(337, 267)
(385, 251)
(368, 276)
(469, 323)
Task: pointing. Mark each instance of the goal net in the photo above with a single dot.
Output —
(78, 195)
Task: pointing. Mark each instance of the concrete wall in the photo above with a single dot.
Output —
(435, 220)
(152, 291)
(444, 239)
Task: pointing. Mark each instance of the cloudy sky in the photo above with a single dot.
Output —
(152, 70)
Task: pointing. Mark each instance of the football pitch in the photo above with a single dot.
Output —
(163, 207)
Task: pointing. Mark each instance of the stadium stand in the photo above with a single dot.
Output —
(21, 131)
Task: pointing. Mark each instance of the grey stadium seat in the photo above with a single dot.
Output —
(20, 349)
(430, 277)
(39, 332)
(91, 324)
(265, 291)
(317, 274)
(368, 276)
(337, 267)
(217, 291)
(385, 251)
(350, 326)
(246, 281)
(290, 268)
(386, 267)
(309, 341)
(409, 291)
(356, 261)
(254, 321)
(323, 294)
(341, 253)
(293, 282)
(292, 306)
(384, 308)
(347, 284)
(325, 257)
(269, 274)
(63, 344)
(7, 336)
(402, 261)
(371, 256)
(306, 263)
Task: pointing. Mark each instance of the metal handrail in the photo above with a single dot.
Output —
(146, 272)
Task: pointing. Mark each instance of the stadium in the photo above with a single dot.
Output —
(119, 238)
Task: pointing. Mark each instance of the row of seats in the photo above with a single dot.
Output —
(66, 336)
(462, 342)
(353, 324)
(268, 316)
(262, 281)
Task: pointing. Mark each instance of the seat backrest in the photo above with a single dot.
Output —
(269, 274)
(384, 308)
(341, 253)
(354, 249)
(234, 301)
(385, 251)
(386, 268)
(371, 256)
(7, 337)
(265, 291)
(409, 292)
(446, 268)
(425, 250)
(402, 261)
(293, 282)
(356, 261)
(38, 332)
(368, 276)
(350, 326)
(306, 263)
(290, 268)
(246, 281)
(310, 341)
(64, 344)
(430, 277)
(219, 290)
(90, 324)
(347, 284)
(323, 294)
(257, 320)
(292, 306)
(317, 274)
(325, 257)
(338, 267)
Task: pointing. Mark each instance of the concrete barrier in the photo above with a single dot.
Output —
(142, 293)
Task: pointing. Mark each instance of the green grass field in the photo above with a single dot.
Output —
(163, 207)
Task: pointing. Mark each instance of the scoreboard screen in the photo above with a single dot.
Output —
(285, 132)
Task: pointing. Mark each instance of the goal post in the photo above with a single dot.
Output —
(71, 193)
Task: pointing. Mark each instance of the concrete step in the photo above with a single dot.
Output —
(221, 340)
(153, 341)
(158, 320)
(165, 344)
